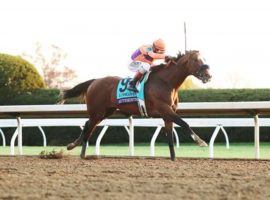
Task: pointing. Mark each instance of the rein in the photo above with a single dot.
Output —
(170, 62)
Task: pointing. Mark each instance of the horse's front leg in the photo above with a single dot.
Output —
(186, 127)
(169, 134)
(169, 115)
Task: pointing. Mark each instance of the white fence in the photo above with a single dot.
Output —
(219, 123)
(247, 109)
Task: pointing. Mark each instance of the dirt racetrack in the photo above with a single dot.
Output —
(133, 178)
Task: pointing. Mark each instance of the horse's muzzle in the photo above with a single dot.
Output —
(204, 74)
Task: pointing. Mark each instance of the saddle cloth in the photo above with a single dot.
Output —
(124, 96)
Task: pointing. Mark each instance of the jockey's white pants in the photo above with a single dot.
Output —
(142, 67)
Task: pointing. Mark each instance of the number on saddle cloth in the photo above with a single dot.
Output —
(123, 95)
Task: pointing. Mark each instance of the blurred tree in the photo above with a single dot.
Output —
(50, 62)
(16, 74)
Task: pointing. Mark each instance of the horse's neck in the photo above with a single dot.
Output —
(173, 76)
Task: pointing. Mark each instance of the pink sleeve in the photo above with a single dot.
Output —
(156, 55)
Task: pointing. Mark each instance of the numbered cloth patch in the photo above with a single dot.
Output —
(123, 95)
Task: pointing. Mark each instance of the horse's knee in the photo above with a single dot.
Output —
(85, 128)
(86, 125)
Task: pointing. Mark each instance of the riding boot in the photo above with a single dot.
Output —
(132, 84)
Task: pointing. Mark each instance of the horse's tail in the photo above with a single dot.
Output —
(76, 91)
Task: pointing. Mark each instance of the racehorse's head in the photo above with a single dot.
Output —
(196, 65)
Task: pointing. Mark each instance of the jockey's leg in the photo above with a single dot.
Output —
(133, 82)
(141, 70)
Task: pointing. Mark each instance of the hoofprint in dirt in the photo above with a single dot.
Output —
(133, 178)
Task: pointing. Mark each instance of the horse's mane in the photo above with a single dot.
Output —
(171, 59)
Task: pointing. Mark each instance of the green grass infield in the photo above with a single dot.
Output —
(236, 150)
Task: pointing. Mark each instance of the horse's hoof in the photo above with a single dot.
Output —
(70, 146)
(172, 158)
(82, 156)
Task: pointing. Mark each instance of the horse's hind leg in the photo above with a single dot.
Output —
(78, 141)
(88, 129)
(86, 135)
(91, 127)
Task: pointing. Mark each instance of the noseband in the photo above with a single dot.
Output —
(201, 73)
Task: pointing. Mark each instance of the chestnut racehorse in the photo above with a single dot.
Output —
(161, 97)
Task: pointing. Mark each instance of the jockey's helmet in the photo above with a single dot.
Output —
(159, 46)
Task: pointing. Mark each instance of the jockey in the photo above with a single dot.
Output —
(142, 60)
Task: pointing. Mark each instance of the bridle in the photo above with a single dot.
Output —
(201, 73)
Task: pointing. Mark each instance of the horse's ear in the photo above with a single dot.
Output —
(178, 56)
